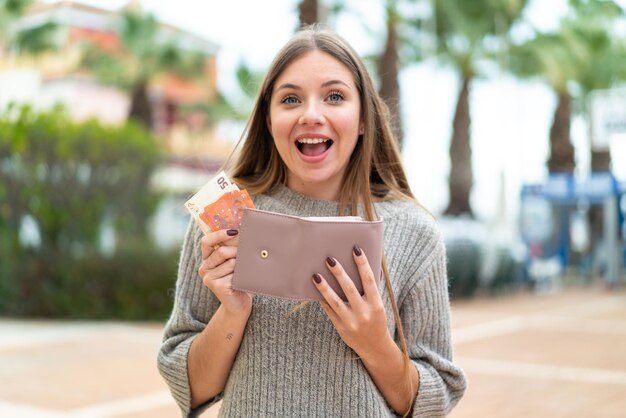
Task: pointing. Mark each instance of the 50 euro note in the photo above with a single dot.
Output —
(219, 204)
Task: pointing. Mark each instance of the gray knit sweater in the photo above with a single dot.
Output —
(297, 365)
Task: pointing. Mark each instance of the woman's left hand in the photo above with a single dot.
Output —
(361, 322)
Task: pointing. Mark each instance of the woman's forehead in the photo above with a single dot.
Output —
(317, 66)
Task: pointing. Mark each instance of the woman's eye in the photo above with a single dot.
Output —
(290, 100)
(335, 96)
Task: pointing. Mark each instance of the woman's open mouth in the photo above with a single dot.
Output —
(313, 147)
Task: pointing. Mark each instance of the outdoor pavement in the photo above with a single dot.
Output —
(526, 355)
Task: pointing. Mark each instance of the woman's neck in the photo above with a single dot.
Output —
(315, 191)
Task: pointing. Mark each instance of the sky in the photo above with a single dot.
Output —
(510, 119)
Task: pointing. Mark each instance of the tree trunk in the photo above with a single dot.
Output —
(600, 160)
(388, 64)
(561, 150)
(307, 12)
(140, 107)
(460, 181)
(561, 160)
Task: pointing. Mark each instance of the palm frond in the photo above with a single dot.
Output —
(184, 63)
(37, 39)
(15, 7)
(249, 81)
(106, 67)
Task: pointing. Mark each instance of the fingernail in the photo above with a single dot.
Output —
(232, 232)
(357, 250)
(317, 278)
(331, 261)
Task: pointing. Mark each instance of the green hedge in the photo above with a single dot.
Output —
(465, 269)
(464, 261)
(134, 284)
(68, 178)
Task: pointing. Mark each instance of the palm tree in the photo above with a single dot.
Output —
(314, 11)
(308, 12)
(593, 23)
(19, 38)
(555, 57)
(581, 52)
(388, 68)
(606, 70)
(143, 56)
(462, 28)
(403, 26)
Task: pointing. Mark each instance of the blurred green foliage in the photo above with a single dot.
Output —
(144, 54)
(468, 275)
(69, 178)
(32, 39)
(136, 283)
(464, 257)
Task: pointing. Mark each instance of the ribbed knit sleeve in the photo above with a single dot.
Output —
(416, 257)
(426, 321)
(194, 305)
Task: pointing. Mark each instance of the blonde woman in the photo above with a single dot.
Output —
(318, 143)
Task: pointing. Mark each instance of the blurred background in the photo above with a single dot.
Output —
(511, 117)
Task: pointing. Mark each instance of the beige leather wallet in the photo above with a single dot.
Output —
(278, 254)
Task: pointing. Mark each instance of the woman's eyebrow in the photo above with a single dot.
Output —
(333, 82)
(288, 86)
(325, 84)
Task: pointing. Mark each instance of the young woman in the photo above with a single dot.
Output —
(318, 143)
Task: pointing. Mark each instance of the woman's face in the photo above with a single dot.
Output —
(314, 118)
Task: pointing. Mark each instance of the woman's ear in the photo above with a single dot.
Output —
(268, 122)
(361, 129)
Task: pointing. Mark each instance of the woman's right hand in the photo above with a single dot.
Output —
(219, 250)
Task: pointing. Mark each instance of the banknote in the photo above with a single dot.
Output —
(218, 204)
(227, 211)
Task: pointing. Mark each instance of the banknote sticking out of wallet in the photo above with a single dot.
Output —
(278, 254)
(219, 204)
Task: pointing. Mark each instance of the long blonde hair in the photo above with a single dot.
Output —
(374, 172)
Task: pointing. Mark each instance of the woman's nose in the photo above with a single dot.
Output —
(312, 114)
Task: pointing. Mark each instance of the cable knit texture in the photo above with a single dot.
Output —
(297, 365)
